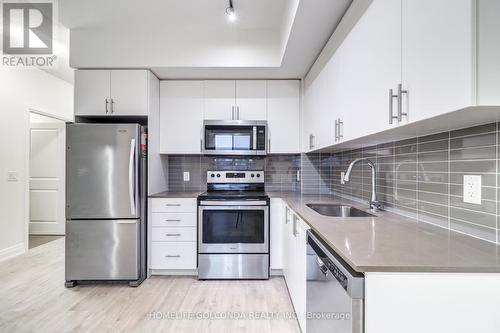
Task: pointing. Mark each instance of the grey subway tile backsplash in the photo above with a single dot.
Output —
(281, 170)
(422, 178)
(473, 141)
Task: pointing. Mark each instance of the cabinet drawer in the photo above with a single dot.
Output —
(173, 220)
(173, 234)
(167, 205)
(173, 255)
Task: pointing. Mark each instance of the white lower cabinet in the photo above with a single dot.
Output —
(294, 251)
(173, 234)
(173, 255)
(276, 233)
(444, 302)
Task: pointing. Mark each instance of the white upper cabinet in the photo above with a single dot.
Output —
(283, 116)
(350, 97)
(251, 98)
(235, 100)
(92, 92)
(129, 92)
(111, 92)
(405, 61)
(184, 104)
(488, 52)
(371, 66)
(438, 56)
(181, 117)
(220, 99)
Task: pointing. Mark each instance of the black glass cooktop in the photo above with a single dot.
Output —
(233, 195)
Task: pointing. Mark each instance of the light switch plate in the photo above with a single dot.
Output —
(472, 189)
(12, 176)
(342, 174)
(186, 176)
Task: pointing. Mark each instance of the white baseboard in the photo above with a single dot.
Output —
(181, 272)
(194, 272)
(12, 251)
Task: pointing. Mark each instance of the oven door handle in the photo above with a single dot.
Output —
(233, 203)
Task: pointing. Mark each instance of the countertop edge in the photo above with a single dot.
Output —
(388, 268)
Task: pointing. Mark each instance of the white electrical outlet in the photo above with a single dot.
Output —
(472, 189)
(342, 174)
(186, 176)
(12, 176)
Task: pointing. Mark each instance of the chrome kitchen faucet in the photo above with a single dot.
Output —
(374, 203)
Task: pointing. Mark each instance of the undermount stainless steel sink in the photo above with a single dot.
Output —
(338, 210)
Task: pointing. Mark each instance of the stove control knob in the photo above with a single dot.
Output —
(252, 175)
(258, 175)
(212, 175)
(218, 175)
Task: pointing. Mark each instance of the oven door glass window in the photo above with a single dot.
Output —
(228, 138)
(233, 226)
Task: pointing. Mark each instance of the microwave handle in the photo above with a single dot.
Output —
(254, 141)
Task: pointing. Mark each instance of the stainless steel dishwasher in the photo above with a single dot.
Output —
(335, 292)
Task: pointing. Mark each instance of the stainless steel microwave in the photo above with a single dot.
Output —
(235, 137)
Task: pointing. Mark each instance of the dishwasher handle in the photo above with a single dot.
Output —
(321, 265)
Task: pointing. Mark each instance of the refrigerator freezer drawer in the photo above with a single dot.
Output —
(102, 249)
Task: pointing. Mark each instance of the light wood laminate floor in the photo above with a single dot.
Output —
(33, 299)
(37, 240)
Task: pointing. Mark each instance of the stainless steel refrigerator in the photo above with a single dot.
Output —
(106, 203)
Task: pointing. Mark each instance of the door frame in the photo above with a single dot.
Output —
(30, 110)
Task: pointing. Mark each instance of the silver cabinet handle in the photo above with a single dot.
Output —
(131, 179)
(201, 145)
(172, 235)
(107, 103)
(237, 113)
(269, 145)
(174, 220)
(294, 229)
(341, 129)
(400, 102)
(336, 132)
(112, 105)
(311, 141)
(173, 256)
(232, 112)
(172, 205)
(391, 102)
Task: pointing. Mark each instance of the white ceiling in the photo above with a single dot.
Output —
(194, 39)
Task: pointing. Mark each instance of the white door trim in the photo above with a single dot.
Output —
(26, 178)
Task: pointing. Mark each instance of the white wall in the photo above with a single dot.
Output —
(21, 89)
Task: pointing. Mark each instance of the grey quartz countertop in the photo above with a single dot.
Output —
(394, 243)
(175, 194)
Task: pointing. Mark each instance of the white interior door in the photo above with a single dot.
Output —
(46, 183)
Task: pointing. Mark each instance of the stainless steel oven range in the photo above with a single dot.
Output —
(233, 226)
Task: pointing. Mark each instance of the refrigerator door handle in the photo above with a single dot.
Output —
(131, 177)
